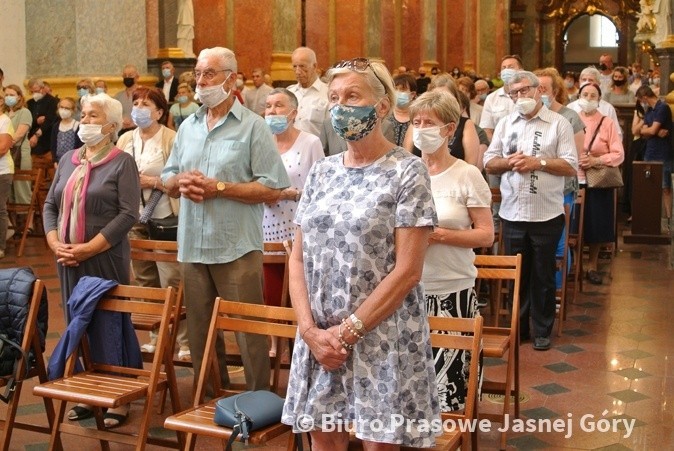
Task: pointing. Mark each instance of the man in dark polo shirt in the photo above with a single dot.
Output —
(657, 132)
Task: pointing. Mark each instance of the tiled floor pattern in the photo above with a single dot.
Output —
(613, 363)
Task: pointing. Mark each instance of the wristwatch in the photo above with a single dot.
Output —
(544, 164)
(357, 324)
(220, 186)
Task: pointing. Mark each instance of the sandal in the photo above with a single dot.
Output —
(113, 420)
(79, 413)
(594, 277)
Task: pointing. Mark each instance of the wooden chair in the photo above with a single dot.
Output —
(103, 385)
(231, 316)
(463, 334)
(576, 224)
(562, 265)
(160, 251)
(35, 177)
(30, 344)
(503, 342)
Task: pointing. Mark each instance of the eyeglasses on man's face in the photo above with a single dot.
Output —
(208, 74)
(524, 90)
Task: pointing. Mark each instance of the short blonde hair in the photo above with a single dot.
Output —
(378, 79)
(443, 104)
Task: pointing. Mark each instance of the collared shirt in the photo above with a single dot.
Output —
(238, 149)
(497, 105)
(313, 106)
(538, 195)
(604, 108)
(167, 88)
(256, 98)
(657, 148)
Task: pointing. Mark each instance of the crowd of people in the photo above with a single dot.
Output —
(381, 180)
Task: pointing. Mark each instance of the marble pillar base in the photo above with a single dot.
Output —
(282, 69)
(428, 65)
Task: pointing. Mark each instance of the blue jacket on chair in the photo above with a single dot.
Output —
(112, 339)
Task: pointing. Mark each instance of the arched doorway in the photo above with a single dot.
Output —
(586, 38)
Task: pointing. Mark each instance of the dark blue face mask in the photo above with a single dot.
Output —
(353, 123)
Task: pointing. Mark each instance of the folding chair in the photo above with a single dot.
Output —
(500, 342)
(463, 334)
(160, 251)
(104, 385)
(14, 383)
(231, 316)
(576, 224)
(34, 176)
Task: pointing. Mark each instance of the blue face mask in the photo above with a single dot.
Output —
(506, 75)
(100, 90)
(82, 92)
(141, 116)
(546, 100)
(402, 99)
(11, 101)
(277, 122)
(181, 99)
(166, 73)
(353, 122)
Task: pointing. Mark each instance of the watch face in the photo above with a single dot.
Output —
(220, 186)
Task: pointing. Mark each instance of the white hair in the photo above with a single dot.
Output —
(111, 107)
(225, 56)
(592, 71)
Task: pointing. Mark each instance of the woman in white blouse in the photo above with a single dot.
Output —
(299, 150)
(6, 170)
(150, 144)
(463, 202)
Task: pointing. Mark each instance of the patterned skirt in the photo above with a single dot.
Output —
(451, 365)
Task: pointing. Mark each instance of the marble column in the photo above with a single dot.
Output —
(84, 39)
(373, 30)
(665, 51)
(429, 30)
(285, 36)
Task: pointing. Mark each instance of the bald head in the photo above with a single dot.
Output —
(304, 65)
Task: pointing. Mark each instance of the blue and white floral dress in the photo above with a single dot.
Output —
(348, 217)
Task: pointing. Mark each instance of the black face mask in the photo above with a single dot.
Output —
(602, 67)
(618, 82)
(129, 81)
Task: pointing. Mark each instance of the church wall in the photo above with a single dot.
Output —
(13, 41)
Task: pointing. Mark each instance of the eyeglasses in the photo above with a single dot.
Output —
(523, 91)
(208, 74)
(357, 65)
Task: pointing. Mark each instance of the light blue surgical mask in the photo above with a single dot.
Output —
(403, 99)
(506, 75)
(277, 122)
(353, 123)
(546, 100)
(181, 99)
(141, 116)
(166, 73)
(100, 90)
(82, 92)
(11, 101)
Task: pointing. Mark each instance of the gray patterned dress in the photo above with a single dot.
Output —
(348, 217)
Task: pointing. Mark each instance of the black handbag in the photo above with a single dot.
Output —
(247, 412)
(163, 229)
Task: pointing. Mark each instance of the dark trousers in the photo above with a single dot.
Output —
(537, 242)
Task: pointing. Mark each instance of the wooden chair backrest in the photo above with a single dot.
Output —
(145, 250)
(230, 316)
(503, 267)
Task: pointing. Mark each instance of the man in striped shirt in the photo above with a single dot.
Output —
(533, 150)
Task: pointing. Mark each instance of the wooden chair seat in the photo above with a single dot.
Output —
(199, 420)
(496, 342)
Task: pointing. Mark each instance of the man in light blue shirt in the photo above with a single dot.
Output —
(224, 165)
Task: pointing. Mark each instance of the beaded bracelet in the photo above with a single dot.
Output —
(341, 338)
(353, 331)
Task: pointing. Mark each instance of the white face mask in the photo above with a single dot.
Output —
(37, 96)
(212, 96)
(588, 106)
(525, 105)
(239, 83)
(65, 113)
(91, 134)
(428, 139)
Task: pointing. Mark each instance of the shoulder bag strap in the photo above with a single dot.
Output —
(596, 130)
